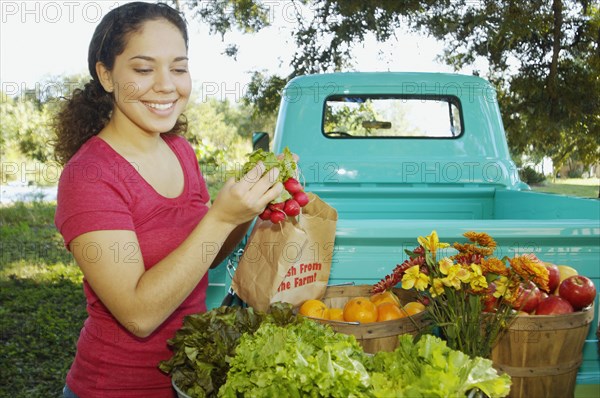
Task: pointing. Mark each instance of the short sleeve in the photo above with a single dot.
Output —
(203, 187)
(90, 201)
(200, 178)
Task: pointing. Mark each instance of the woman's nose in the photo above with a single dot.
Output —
(164, 81)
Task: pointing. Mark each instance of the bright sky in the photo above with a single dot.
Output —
(40, 39)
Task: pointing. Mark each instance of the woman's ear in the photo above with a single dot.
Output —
(105, 77)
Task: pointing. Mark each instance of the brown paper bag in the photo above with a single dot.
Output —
(290, 261)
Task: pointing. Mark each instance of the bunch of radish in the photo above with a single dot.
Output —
(278, 211)
(293, 197)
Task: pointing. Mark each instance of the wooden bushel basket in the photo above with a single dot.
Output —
(376, 336)
(542, 354)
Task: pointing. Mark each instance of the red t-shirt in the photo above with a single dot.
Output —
(100, 190)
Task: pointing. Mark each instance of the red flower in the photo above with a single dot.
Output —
(395, 277)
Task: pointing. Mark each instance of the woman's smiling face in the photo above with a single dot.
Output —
(150, 80)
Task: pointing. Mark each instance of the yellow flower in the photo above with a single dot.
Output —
(478, 281)
(501, 286)
(413, 277)
(464, 275)
(455, 275)
(432, 242)
(445, 264)
(437, 287)
(507, 288)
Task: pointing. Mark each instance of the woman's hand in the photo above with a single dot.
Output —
(241, 201)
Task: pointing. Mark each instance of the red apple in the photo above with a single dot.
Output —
(554, 279)
(565, 272)
(578, 290)
(528, 297)
(553, 305)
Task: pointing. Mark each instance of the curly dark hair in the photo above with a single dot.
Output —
(89, 109)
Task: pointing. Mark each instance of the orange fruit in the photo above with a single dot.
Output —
(314, 309)
(388, 312)
(413, 307)
(360, 309)
(385, 297)
(336, 314)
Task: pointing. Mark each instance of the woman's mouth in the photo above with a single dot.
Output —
(159, 106)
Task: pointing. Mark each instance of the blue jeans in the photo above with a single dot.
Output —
(67, 393)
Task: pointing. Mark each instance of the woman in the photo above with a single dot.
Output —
(133, 207)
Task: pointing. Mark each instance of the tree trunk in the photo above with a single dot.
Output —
(557, 8)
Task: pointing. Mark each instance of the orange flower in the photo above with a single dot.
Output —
(529, 267)
(481, 238)
(494, 265)
(471, 249)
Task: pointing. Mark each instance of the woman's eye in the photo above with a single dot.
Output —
(180, 70)
(143, 71)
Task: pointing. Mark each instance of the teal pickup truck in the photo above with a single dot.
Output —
(401, 154)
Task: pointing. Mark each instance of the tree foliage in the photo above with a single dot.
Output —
(25, 120)
(543, 57)
(24, 128)
(218, 130)
(222, 16)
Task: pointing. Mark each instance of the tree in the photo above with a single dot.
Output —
(543, 57)
(25, 128)
(26, 119)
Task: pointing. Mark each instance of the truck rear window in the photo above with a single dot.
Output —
(367, 116)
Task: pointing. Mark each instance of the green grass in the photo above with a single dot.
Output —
(587, 391)
(42, 306)
(584, 188)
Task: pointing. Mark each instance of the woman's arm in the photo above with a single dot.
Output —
(141, 300)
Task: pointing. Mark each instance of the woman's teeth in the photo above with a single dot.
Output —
(160, 107)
